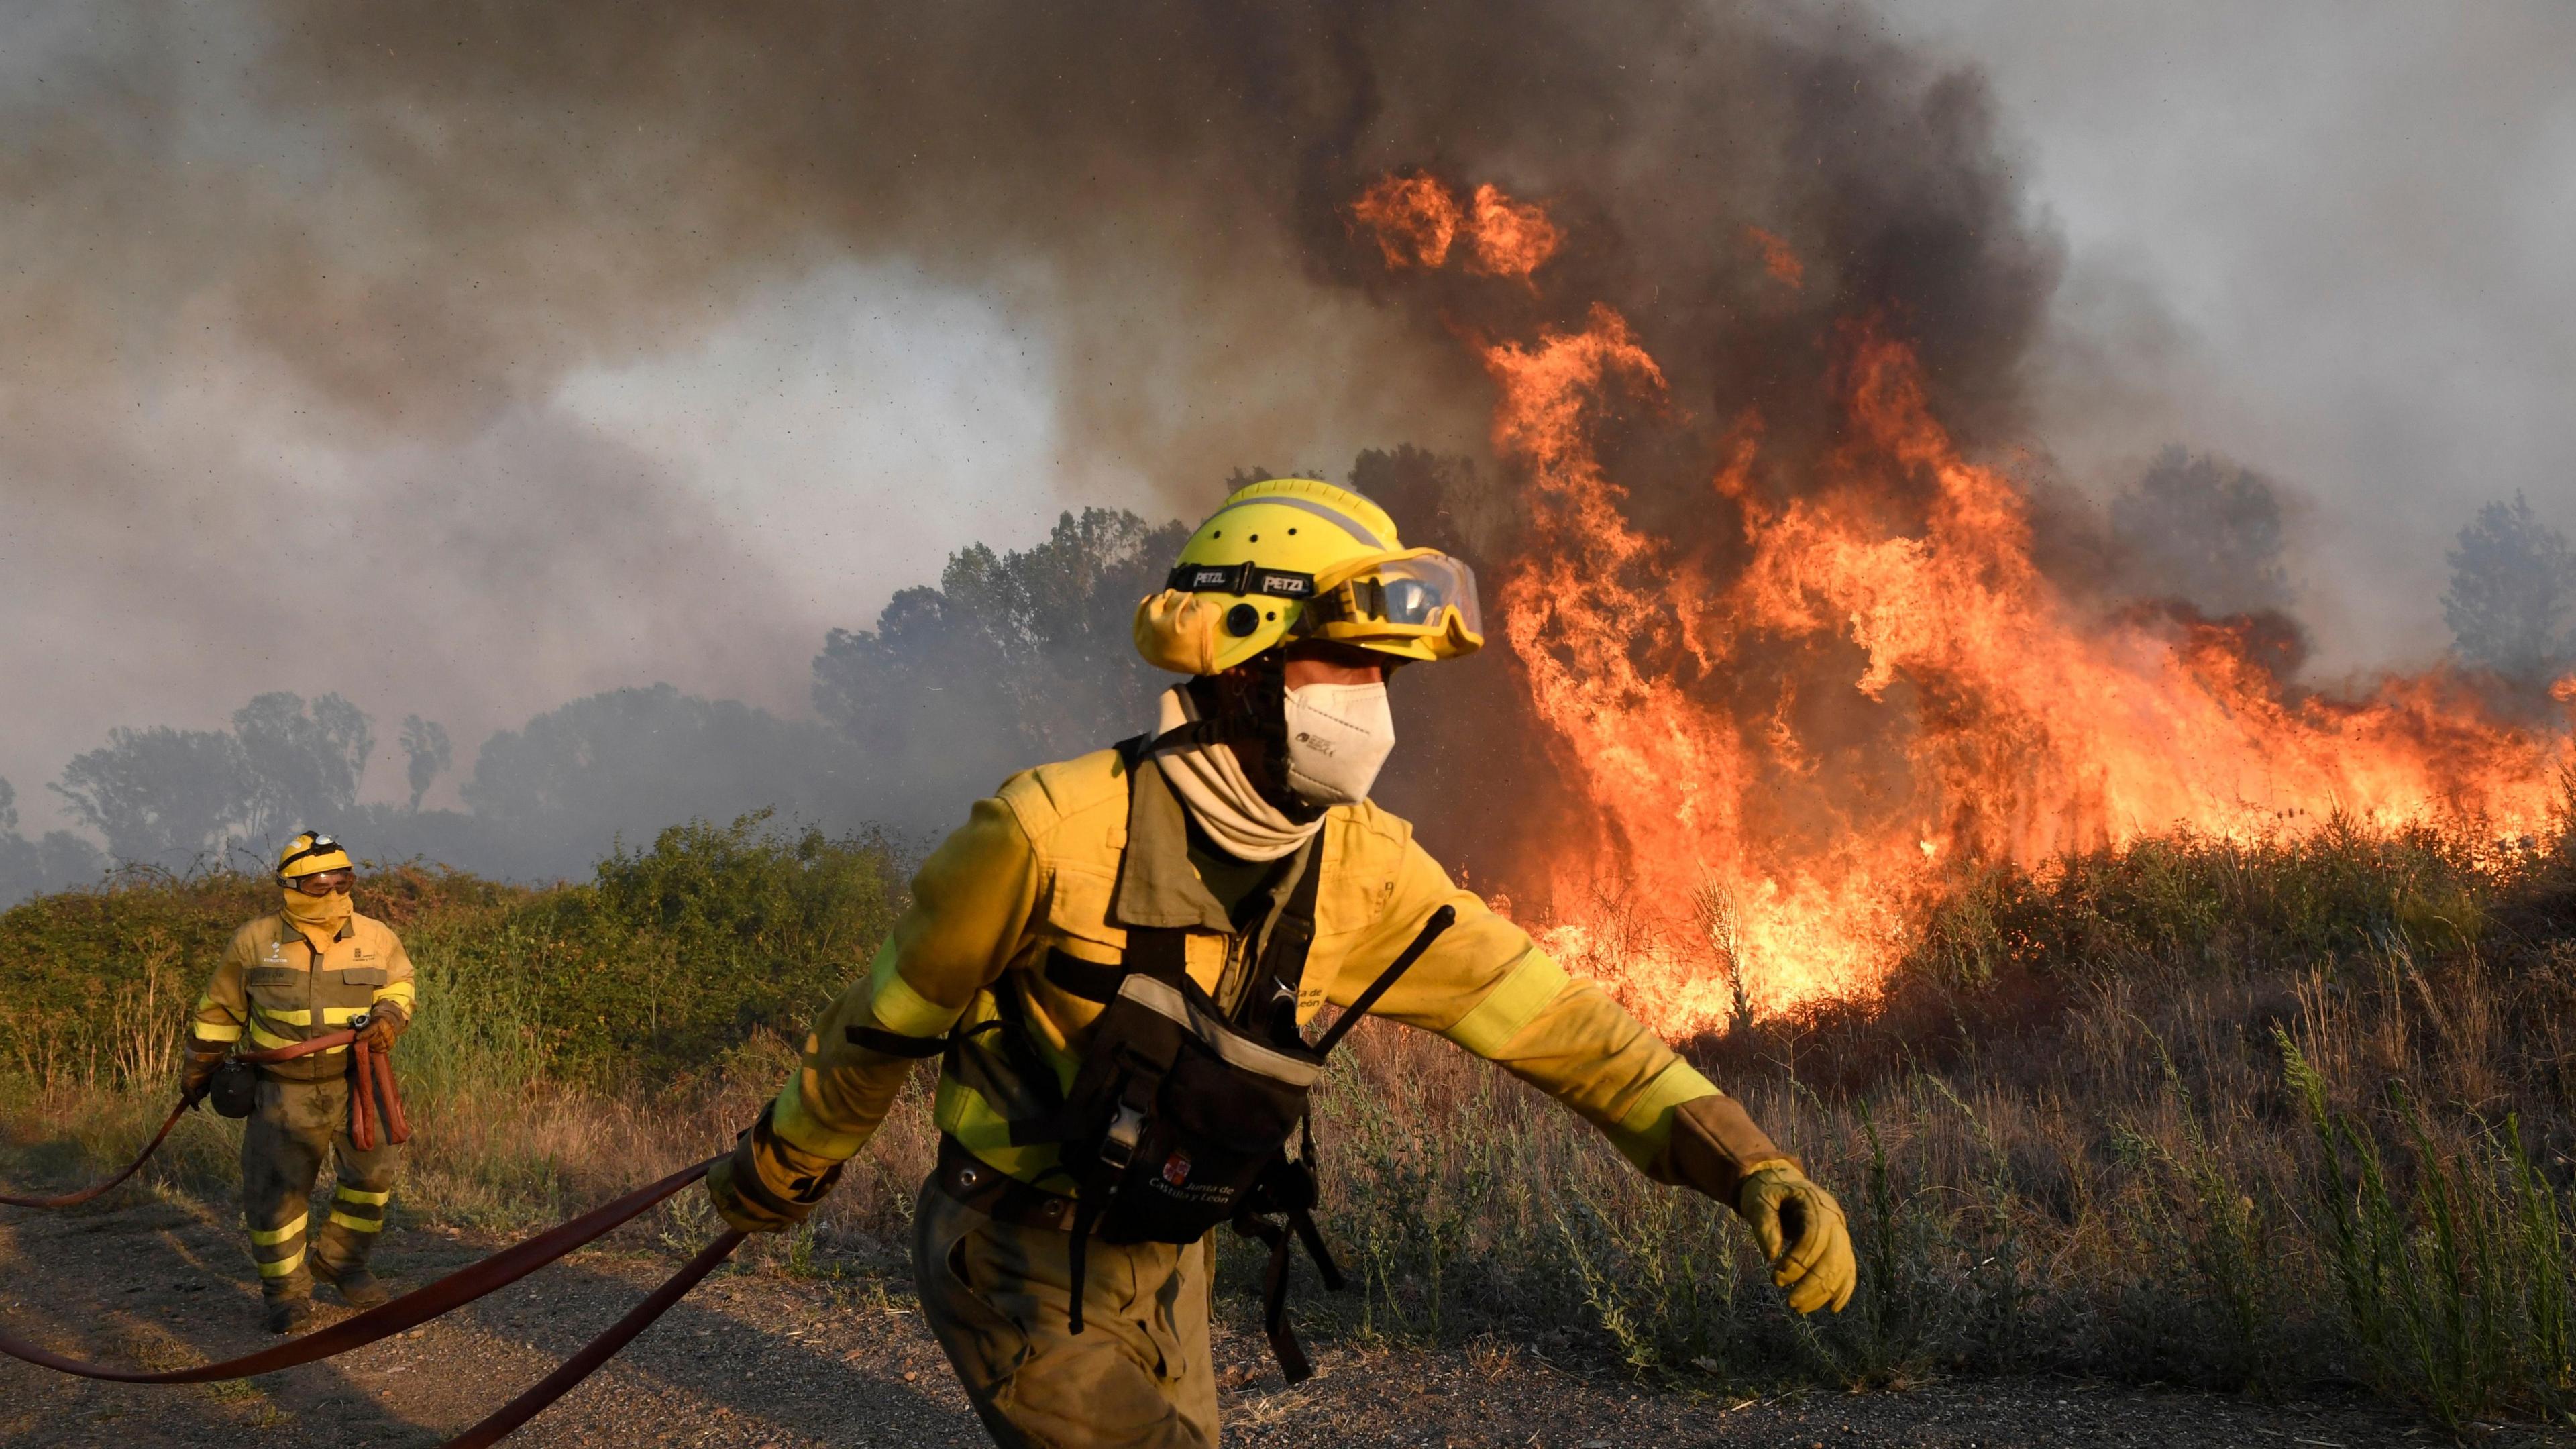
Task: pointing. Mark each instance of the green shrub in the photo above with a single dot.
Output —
(671, 957)
(665, 961)
(2455, 1276)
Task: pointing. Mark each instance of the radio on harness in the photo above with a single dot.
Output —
(1180, 1118)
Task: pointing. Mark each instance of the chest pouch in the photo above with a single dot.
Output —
(234, 1090)
(1180, 1117)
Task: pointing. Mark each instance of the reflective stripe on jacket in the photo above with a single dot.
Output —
(1044, 866)
(274, 989)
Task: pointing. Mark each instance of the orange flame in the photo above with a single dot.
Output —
(2023, 730)
(1777, 258)
(1414, 219)
(1512, 238)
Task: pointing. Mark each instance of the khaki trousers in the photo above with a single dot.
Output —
(998, 1294)
(292, 1127)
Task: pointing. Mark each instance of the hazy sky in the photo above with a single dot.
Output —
(2337, 242)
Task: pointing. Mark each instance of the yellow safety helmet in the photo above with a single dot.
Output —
(1294, 558)
(310, 853)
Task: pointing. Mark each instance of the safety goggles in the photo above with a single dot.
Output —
(320, 844)
(323, 882)
(1420, 595)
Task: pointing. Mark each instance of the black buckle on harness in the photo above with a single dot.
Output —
(1118, 1146)
(1243, 578)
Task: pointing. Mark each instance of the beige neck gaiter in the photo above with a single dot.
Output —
(318, 917)
(1220, 796)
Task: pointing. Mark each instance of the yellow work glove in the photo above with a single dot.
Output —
(748, 1198)
(1800, 1228)
(383, 1025)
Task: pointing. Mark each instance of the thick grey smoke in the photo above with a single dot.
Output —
(345, 337)
(2327, 240)
(313, 304)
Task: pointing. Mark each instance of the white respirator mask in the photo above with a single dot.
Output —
(1339, 736)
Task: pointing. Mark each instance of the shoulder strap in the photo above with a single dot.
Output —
(1270, 1000)
(1161, 952)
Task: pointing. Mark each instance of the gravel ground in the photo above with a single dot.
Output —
(760, 1360)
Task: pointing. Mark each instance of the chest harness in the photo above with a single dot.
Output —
(1179, 1118)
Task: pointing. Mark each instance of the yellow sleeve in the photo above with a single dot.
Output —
(1488, 987)
(225, 1005)
(400, 991)
(971, 901)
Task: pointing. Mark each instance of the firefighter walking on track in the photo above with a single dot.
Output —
(1118, 956)
(313, 968)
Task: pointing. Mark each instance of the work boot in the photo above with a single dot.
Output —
(289, 1315)
(357, 1287)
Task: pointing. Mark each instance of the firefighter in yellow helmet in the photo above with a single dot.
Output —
(312, 967)
(1116, 957)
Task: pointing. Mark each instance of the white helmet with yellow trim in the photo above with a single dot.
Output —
(1294, 558)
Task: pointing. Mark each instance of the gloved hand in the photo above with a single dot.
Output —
(1800, 1228)
(199, 1069)
(747, 1200)
(384, 1024)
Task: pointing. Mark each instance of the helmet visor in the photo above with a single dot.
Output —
(1422, 595)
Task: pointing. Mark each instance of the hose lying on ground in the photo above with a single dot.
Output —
(598, 1351)
(451, 1292)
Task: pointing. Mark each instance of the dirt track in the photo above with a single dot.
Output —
(767, 1360)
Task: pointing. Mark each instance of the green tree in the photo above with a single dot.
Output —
(172, 797)
(2200, 528)
(304, 761)
(2513, 588)
(426, 753)
(555, 793)
(161, 796)
(1012, 659)
(32, 867)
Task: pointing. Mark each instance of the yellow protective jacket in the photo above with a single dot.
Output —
(275, 989)
(1048, 864)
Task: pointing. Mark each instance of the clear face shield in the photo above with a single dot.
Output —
(1421, 602)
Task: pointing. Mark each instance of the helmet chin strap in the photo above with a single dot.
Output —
(1255, 716)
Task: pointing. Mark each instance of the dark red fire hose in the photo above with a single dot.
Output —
(321, 1043)
(451, 1292)
(371, 1086)
(372, 1090)
(75, 1199)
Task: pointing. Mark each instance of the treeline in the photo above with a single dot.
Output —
(1009, 659)
(1017, 657)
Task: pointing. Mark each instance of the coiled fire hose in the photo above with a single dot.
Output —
(371, 1084)
(421, 1304)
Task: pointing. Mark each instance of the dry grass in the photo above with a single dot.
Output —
(2257, 1119)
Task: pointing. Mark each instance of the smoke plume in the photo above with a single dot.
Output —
(314, 303)
(300, 287)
